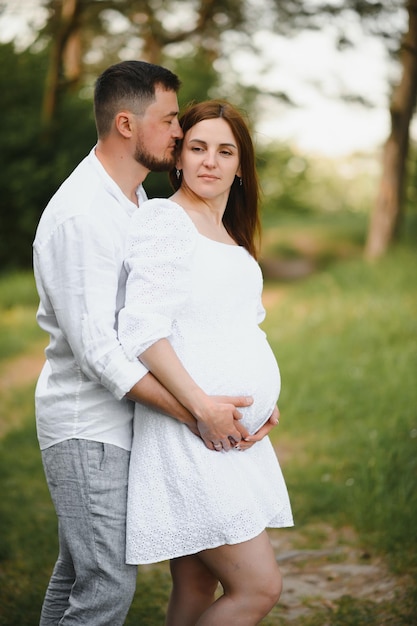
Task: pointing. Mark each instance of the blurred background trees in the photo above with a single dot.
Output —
(46, 90)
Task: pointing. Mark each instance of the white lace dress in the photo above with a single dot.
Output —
(205, 297)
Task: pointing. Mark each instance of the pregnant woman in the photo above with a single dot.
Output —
(192, 315)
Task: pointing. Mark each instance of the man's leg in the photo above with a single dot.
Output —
(88, 484)
(58, 592)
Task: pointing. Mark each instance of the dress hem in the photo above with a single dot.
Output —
(211, 547)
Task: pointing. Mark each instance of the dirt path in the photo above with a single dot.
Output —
(312, 577)
(16, 374)
(317, 578)
(22, 370)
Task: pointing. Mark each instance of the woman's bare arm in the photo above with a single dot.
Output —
(216, 421)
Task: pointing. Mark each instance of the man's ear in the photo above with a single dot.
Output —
(124, 123)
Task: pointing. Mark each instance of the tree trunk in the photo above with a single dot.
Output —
(64, 32)
(386, 215)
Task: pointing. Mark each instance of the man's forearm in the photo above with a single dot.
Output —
(148, 390)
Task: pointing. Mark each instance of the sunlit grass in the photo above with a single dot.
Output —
(346, 342)
(27, 520)
(18, 305)
(18, 289)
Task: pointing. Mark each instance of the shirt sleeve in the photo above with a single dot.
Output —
(158, 262)
(78, 272)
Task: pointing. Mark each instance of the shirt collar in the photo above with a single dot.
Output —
(114, 188)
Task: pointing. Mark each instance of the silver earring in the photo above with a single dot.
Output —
(178, 173)
(240, 182)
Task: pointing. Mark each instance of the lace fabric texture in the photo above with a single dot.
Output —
(205, 297)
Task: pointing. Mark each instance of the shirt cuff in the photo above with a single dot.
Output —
(120, 377)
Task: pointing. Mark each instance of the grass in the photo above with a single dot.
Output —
(27, 521)
(18, 304)
(322, 239)
(346, 342)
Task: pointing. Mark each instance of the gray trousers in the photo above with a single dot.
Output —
(91, 583)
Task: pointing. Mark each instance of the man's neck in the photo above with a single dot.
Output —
(127, 173)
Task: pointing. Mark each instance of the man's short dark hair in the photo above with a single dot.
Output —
(130, 85)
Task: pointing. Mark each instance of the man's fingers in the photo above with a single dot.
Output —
(241, 401)
(237, 415)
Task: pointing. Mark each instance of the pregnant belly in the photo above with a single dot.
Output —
(247, 367)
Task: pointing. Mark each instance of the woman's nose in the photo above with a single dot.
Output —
(210, 159)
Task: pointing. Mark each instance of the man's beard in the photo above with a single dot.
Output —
(151, 162)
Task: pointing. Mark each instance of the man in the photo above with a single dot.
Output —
(84, 416)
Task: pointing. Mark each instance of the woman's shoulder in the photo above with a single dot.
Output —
(157, 202)
(162, 209)
(162, 217)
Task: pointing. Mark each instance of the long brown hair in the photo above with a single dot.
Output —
(241, 216)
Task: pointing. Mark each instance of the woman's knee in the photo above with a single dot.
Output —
(269, 593)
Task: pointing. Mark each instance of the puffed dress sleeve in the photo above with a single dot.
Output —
(158, 261)
(260, 312)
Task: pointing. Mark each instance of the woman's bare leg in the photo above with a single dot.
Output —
(193, 588)
(251, 582)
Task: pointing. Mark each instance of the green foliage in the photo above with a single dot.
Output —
(20, 93)
(293, 183)
(198, 77)
(284, 178)
(33, 163)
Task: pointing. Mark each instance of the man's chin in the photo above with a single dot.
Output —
(156, 165)
(164, 166)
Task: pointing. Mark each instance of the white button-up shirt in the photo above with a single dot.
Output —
(79, 251)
